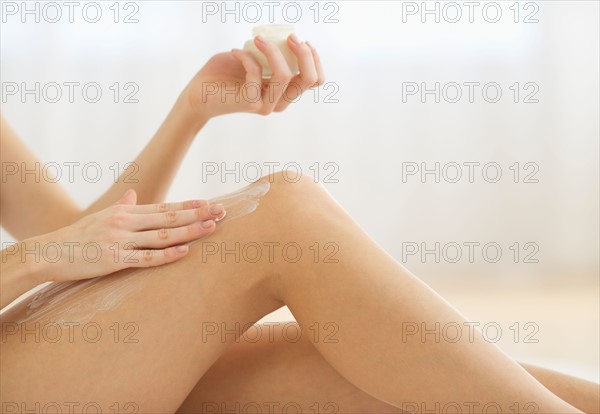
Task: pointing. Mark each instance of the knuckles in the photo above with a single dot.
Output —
(194, 230)
(163, 234)
(170, 217)
(254, 106)
(309, 81)
(148, 255)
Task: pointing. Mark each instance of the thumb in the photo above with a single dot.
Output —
(130, 197)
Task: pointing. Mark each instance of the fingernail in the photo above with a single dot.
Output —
(216, 209)
(221, 218)
(294, 39)
(181, 249)
(196, 203)
(310, 45)
(207, 224)
(260, 39)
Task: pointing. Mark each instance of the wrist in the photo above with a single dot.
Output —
(23, 264)
(188, 115)
(33, 259)
(21, 270)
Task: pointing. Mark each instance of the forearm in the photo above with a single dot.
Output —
(24, 216)
(22, 270)
(154, 169)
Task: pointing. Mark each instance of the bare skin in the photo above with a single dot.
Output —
(278, 372)
(179, 301)
(158, 347)
(281, 370)
(582, 394)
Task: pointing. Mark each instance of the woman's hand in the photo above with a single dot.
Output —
(124, 235)
(232, 82)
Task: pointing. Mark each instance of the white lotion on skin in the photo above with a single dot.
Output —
(276, 34)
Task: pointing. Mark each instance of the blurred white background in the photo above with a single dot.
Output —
(360, 133)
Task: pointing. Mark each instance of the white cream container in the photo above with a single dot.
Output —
(276, 34)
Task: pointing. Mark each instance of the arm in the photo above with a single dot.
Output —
(17, 276)
(40, 207)
(159, 161)
(29, 206)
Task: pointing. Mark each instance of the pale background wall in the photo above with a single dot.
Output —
(369, 133)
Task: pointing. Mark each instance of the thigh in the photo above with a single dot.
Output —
(275, 368)
(137, 340)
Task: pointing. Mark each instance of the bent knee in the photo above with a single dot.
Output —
(293, 191)
(285, 177)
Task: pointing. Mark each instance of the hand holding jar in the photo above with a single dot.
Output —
(272, 71)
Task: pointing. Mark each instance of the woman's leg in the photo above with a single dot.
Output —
(138, 340)
(312, 257)
(376, 306)
(274, 369)
(580, 393)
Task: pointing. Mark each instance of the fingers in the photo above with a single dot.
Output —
(308, 71)
(307, 77)
(253, 80)
(318, 65)
(251, 66)
(283, 88)
(158, 247)
(159, 226)
(176, 218)
(166, 237)
(282, 75)
(164, 207)
(150, 258)
(158, 238)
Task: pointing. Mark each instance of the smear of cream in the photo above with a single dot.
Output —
(242, 202)
(79, 301)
